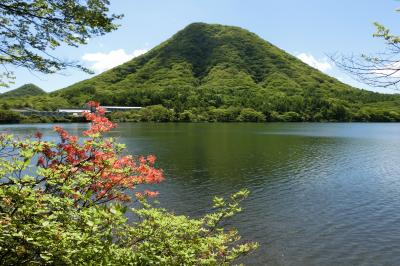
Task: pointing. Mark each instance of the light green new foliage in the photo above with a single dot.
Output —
(168, 239)
(31, 29)
(45, 221)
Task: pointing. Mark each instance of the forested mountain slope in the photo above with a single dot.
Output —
(23, 91)
(214, 72)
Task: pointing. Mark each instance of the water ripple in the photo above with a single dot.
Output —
(322, 194)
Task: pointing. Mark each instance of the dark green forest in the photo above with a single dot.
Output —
(221, 73)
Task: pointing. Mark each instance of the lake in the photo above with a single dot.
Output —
(321, 194)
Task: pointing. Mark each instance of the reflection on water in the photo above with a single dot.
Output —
(322, 194)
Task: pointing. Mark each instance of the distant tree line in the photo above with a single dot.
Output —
(158, 113)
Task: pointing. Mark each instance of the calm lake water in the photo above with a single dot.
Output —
(322, 194)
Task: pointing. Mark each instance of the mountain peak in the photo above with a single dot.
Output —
(25, 90)
(217, 66)
(206, 45)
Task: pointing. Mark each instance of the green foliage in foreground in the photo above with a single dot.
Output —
(51, 213)
(48, 229)
(30, 30)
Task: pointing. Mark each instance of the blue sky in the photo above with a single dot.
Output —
(309, 29)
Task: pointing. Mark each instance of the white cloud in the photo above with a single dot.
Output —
(105, 61)
(322, 64)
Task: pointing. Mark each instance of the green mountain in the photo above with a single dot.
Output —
(23, 91)
(224, 73)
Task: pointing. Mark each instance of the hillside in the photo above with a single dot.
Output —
(23, 91)
(214, 72)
